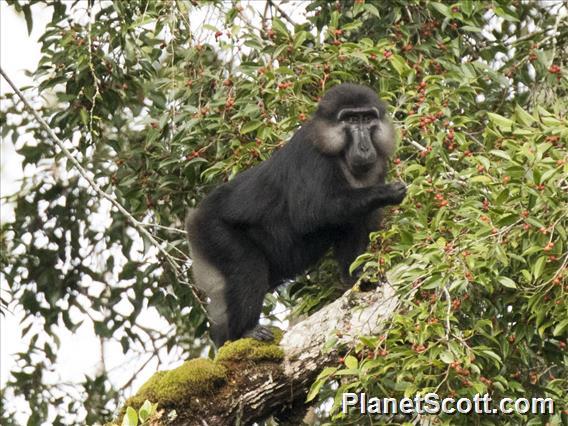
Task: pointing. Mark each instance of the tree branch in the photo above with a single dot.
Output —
(255, 390)
(281, 12)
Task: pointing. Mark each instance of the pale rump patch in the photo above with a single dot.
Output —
(209, 280)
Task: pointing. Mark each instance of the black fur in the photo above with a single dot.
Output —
(273, 221)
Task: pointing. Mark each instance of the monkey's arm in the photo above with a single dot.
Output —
(361, 201)
(342, 206)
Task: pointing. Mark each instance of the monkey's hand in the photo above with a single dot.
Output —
(394, 192)
(260, 332)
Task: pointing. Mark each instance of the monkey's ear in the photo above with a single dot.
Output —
(329, 138)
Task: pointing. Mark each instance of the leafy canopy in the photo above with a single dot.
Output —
(160, 107)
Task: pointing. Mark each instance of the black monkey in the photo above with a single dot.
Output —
(323, 189)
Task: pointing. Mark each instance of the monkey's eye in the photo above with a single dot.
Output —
(359, 117)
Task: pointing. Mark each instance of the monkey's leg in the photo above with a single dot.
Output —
(352, 243)
(245, 293)
(346, 248)
(245, 272)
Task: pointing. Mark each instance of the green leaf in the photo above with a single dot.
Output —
(560, 328)
(399, 65)
(492, 355)
(351, 362)
(249, 127)
(538, 267)
(504, 14)
(314, 389)
(372, 10)
(466, 7)
(352, 26)
(502, 123)
(548, 174)
(532, 250)
(484, 161)
(28, 17)
(210, 27)
(507, 282)
(300, 38)
(279, 27)
(443, 9)
(130, 418)
(84, 117)
(501, 154)
(523, 116)
(145, 411)
(480, 179)
(319, 382)
(447, 357)
(470, 29)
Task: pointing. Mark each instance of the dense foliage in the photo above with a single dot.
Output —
(159, 108)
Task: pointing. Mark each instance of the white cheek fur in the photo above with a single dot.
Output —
(384, 138)
(331, 139)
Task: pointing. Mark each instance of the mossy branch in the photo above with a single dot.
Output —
(250, 380)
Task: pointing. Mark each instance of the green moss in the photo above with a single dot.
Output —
(201, 376)
(252, 349)
(173, 387)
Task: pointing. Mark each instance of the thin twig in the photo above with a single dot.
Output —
(448, 313)
(144, 364)
(554, 36)
(96, 80)
(165, 228)
(281, 12)
(417, 145)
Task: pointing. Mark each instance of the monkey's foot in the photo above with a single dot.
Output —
(260, 332)
(366, 285)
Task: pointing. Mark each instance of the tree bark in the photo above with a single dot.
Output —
(272, 387)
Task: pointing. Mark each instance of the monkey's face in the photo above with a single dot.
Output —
(360, 126)
(352, 124)
(368, 141)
